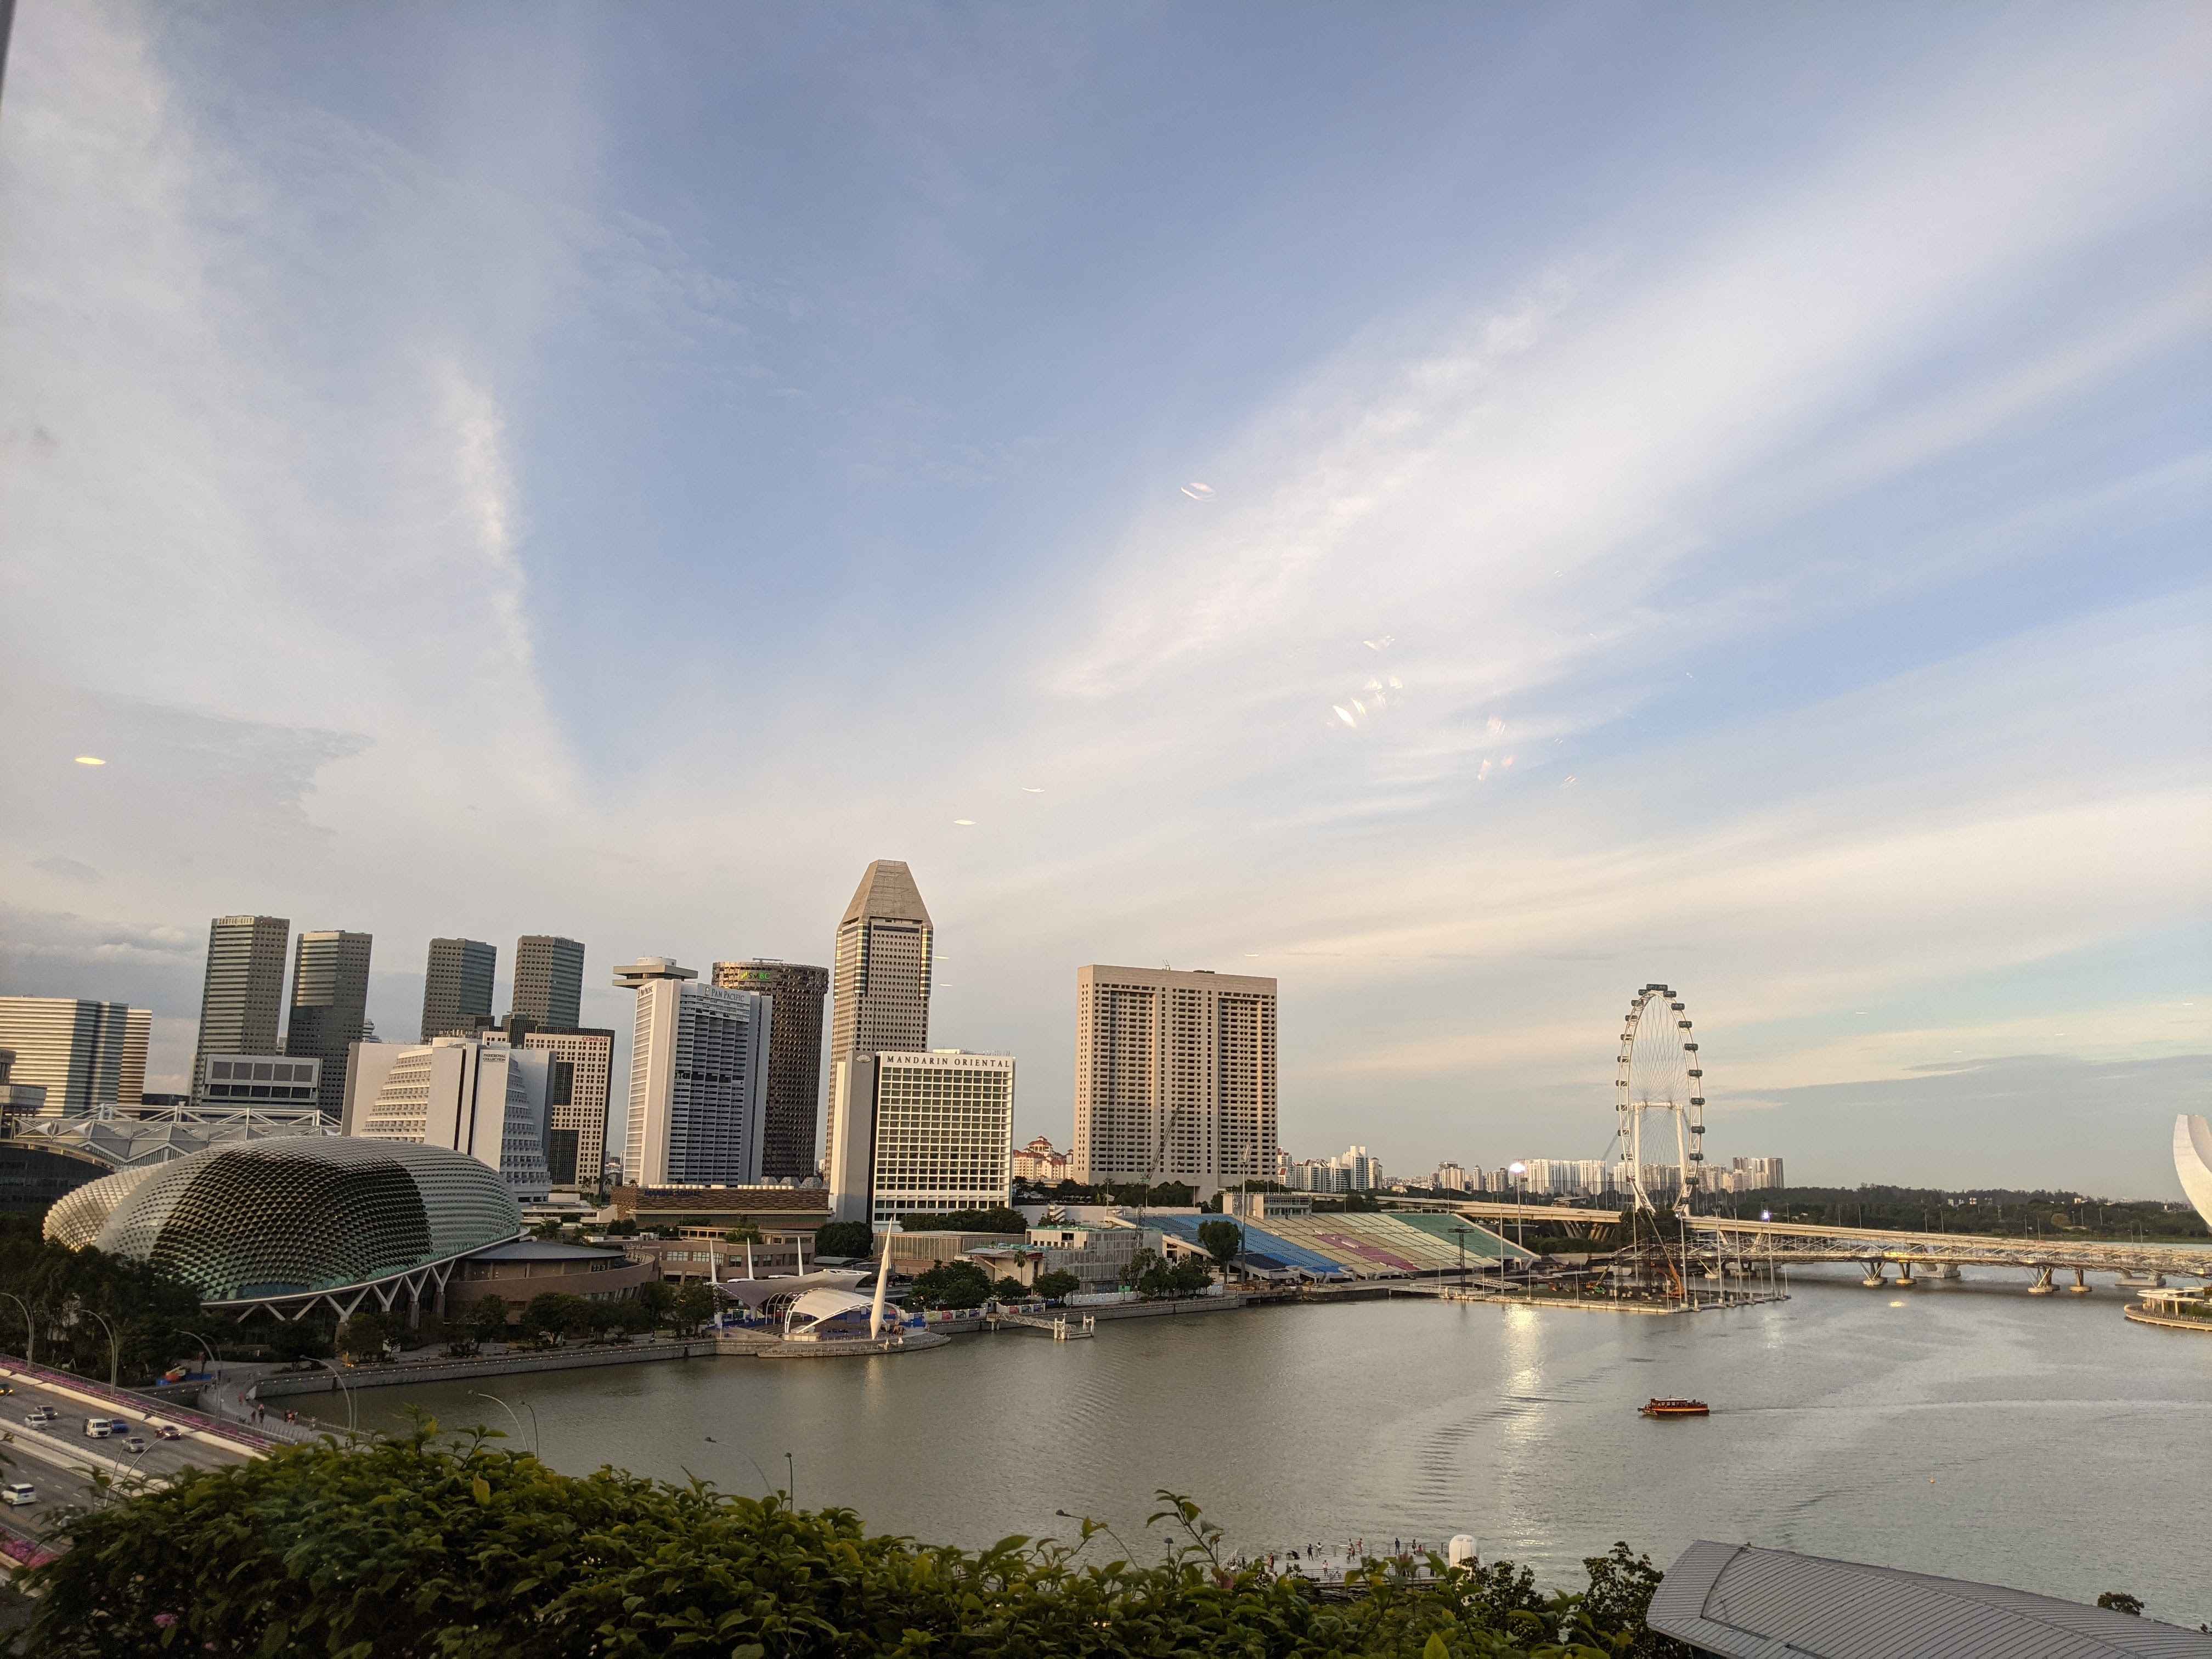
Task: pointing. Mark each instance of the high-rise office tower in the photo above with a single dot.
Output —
(881, 982)
(698, 1079)
(329, 1006)
(576, 1099)
(1175, 1077)
(242, 997)
(456, 986)
(794, 1056)
(924, 1135)
(82, 1053)
(485, 1098)
(548, 980)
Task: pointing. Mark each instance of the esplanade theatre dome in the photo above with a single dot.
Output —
(293, 1218)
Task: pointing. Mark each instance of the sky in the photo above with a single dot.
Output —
(1465, 510)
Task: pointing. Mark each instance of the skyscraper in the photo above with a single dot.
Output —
(548, 980)
(794, 1057)
(698, 1079)
(930, 1132)
(485, 1098)
(456, 986)
(329, 1006)
(82, 1053)
(1175, 1077)
(881, 982)
(243, 994)
(582, 1061)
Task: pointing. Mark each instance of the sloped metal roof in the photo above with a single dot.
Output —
(1743, 1603)
(887, 890)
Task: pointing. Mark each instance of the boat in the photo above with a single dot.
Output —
(1675, 1408)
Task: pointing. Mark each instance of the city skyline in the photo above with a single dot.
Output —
(1763, 556)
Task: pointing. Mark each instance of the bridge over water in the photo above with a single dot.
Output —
(1785, 1243)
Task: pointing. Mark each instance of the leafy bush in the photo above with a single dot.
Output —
(845, 1238)
(409, 1548)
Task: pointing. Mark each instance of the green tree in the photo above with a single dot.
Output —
(1000, 1218)
(1056, 1284)
(693, 1307)
(1223, 1241)
(546, 1316)
(366, 1334)
(1009, 1289)
(299, 1553)
(2121, 1602)
(952, 1284)
(844, 1238)
(488, 1317)
(656, 1301)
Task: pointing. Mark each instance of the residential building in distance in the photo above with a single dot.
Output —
(1756, 1175)
(794, 1057)
(1175, 1077)
(487, 1099)
(244, 1082)
(549, 980)
(243, 994)
(329, 1006)
(881, 981)
(698, 1079)
(83, 1054)
(1043, 1164)
(923, 1134)
(456, 986)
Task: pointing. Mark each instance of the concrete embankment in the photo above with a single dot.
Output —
(278, 1384)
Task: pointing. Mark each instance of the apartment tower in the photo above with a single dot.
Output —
(456, 987)
(794, 1057)
(330, 1007)
(242, 996)
(1175, 1077)
(82, 1053)
(698, 1079)
(549, 980)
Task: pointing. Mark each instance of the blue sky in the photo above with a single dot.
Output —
(611, 471)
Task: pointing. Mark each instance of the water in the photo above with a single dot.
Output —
(1966, 1429)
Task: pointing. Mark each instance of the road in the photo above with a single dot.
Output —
(59, 1459)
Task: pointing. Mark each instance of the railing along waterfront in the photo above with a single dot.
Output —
(1795, 1242)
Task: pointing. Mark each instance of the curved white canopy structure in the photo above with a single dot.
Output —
(2192, 1162)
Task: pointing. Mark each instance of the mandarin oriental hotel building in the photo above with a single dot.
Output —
(925, 1134)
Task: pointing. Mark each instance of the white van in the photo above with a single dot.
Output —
(101, 1427)
(18, 1491)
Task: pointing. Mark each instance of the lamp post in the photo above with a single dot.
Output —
(1519, 1171)
(353, 1416)
(30, 1330)
(114, 1349)
(517, 1421)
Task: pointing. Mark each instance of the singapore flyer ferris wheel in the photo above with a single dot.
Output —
(1659, 1073)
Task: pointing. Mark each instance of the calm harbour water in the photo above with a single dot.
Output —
(1966, 1429)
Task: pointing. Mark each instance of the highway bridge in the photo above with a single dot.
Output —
(1785, 1243)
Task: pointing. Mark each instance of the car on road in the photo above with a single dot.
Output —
(167, 1432)
(38, 1416)
(103, 1428)
(7, 1388)
(18, 1491)
(137, 1445)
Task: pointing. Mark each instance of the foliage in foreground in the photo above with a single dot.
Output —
(411, 1548)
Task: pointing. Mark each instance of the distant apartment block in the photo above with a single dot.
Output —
(248, 1081)
(1043, 1163)
(794, 1057)
(1175, 1077)
(1756, 1175)
(698, 1079)
(487, 1099)
(922, 1133)
(329, 1006)
(82, 1053)
(456, 986)
(549, 980)
(881, 980)
(243, 994)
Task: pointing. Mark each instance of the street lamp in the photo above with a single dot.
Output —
(114, 1349)
(30, 1330)
(509, 1410)
(353, 1415)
